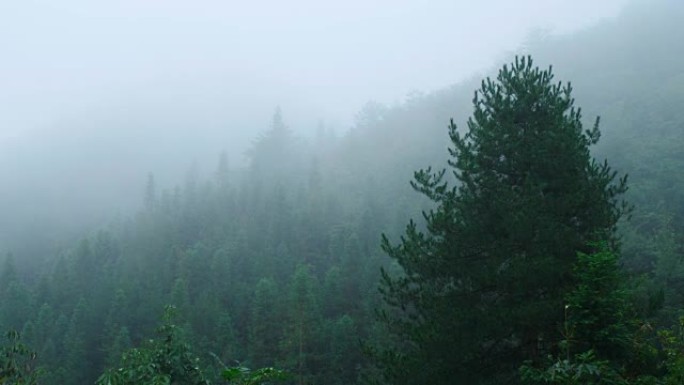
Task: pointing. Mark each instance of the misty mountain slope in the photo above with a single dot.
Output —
(629, 71)
(255, 256)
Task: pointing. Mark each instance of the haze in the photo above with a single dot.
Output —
(61, 60)
(96, 95)
(255, 167)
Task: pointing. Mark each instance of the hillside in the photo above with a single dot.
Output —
(277, 263)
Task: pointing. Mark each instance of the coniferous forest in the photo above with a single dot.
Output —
(524, 241)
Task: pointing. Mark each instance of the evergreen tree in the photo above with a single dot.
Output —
(265, 325)
(333, 293)
(345, 354)
(8, 274)
(299, 342)
(16, 306)
(150, 192)
(120, 344)
(75, 347)
(274, 158)
(15, 299)
(598, 310)
(179, 296)
(17, 362)
(601, 337)
(114, 327)
(226, 340)
(167, 360)
(483, 286)
(44, 324)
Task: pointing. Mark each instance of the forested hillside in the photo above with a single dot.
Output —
(278, 264)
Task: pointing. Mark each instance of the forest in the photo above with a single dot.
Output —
(524, 241)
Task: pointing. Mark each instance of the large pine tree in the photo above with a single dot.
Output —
(483, 284)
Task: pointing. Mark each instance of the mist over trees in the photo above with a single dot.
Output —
(484, 285)
(276, 262)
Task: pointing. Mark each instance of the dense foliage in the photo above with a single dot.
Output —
(484, 284)
(17, 362)
(167, 360)
(277, 264)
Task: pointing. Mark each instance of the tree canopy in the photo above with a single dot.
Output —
(483, 284)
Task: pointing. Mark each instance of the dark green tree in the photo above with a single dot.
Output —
(17, 362)
(120, 344)
(603, 343)
(345, 352)
(598, 310)
(8, 274)
(15, 306)
(226, 340)
(265, 327)
(302, 325)
(15, 299)
(166, 360)
(75, 347)
(114, 326)
(483, 285)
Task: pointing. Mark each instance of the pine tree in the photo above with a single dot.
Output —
(602, 340)
(303, 324)
(179, 296)
(17, 362)
(598, 309)
(150, 192)
(15, 299)
(274, 158)
(265, 324)
(120, 343)
(226, 340)
(166, 360)
(114, 326)
(483, 285)
(75, 347)
(44, 324)
(345, 354)
(8, 274)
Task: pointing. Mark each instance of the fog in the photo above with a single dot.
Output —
(95, 95)
(61, 61)
(266, 169)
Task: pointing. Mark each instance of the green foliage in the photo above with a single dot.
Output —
(345, 351)
(244, 376)
(481, 286)
(226, 249)
(302, 324)
(166, 360)
(76, 348)
(264, 327)
(583, 369)
(169, 360)
(17, 362)
(598, 309)
(672, 341)
(226, 339)
(586, 368)
(15, 299)
(602, 340)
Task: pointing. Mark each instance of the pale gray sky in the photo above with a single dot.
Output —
(70, 62)
(96, 94)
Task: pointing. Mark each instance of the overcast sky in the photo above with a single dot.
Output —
(71, 60)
